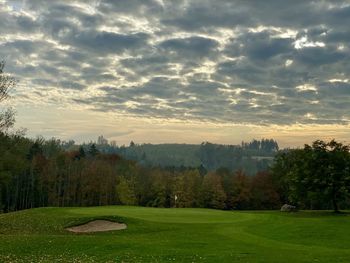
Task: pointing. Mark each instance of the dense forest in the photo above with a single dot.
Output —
(41, 173)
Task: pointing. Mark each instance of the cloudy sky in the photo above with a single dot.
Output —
(180, 71)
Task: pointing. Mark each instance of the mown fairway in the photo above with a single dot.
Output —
(175, 235)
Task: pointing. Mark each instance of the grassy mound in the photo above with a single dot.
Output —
(175, 235)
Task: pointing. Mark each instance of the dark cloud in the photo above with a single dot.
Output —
(318, 56)
(259, 46)
(71, 85)
(24, 47)
(196, 15)
(107, 42)
(336, 88)
(130, 7)
(239, 61)
(19, 23)
(190, 47)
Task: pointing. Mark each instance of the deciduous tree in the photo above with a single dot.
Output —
(321, 170)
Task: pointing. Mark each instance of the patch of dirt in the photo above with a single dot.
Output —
(97, 226)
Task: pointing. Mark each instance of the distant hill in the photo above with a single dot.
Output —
(250, 157)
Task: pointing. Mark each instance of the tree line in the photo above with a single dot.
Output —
(39, 172)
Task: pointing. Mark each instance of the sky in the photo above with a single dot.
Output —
(182, 71)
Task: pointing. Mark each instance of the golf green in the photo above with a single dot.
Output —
(175, 235)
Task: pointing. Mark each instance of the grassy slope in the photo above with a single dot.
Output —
(175, 235)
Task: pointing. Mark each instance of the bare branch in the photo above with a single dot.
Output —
(6, 84)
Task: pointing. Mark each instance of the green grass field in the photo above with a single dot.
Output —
(175, 235)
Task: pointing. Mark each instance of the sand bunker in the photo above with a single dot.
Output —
(97, 226)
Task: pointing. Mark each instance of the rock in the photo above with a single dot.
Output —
(288, 208)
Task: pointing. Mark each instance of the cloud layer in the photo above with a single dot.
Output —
(244, 62)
